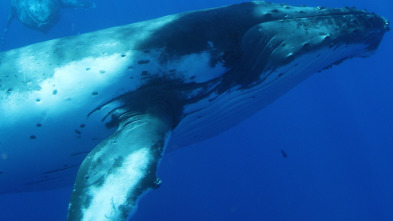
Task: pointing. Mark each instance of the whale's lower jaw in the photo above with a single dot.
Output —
(236, 105)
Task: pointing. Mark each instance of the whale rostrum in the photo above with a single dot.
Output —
(107, 105)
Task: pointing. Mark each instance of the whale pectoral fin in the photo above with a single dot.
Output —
(120, 169)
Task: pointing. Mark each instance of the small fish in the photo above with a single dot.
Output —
(284, 154)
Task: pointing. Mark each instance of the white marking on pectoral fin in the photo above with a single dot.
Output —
(111, 195)
(119, 170)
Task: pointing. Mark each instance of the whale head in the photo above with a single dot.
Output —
(285, 35)
(259, 38)
(265, 49)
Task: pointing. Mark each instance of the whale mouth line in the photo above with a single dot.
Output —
(331, 15)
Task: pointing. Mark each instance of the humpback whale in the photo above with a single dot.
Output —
(105, 106)
(40, 15)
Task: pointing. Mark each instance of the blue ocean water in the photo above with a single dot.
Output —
(336, 129)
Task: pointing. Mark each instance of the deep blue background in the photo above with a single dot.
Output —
(336, 128)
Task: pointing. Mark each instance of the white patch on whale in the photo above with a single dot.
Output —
(111, 193)
(193, 69)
